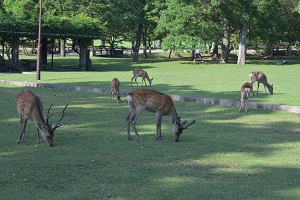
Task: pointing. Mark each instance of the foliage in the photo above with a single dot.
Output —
(22, 16)
(78, 25)
(290, 21)
(186, 22)
(22, 9)
(183, 26)
(11, 24)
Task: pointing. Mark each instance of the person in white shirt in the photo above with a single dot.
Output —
(197, 55)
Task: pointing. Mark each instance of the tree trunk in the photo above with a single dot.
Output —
(149, 44)
(136, 47)
(270, 50)
(170, 53)
(85, 63)
(63, 47)
(145, 46)
(225, 45)
(15, 49)
(112, 49)
(242, 45)
(88, 61)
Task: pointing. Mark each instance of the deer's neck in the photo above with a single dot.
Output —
(268, 85)
(37, 117)
(174, 115)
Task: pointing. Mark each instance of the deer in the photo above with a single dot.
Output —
(246, 91)
(30, 106)
(260, 77)
(114, 91)
(153, 101)
(141, 73)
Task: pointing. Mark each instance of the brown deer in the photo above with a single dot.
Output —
(30, 106)
(141, 73)
(260, 77)
(114, 91)
(153, 101)
(246, 91)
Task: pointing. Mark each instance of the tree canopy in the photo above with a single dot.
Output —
(185, 24)
(22, 16)
(181, 25)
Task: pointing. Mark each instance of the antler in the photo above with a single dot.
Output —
(185, 126)
(48, 113)
(62, 116)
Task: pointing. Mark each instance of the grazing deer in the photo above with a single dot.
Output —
(141, 73)
(114, 91)
(246, 91)
(260, 77)
(30, 106)
(161, 104)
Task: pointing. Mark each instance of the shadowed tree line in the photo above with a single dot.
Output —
(178, 25)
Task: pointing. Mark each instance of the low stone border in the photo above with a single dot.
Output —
(291, 109)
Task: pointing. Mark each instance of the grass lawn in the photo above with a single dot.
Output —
(181, 77)
(225, 155)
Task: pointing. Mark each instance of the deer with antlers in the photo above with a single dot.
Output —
(115, 90)
(246, 91)
(30, 106)
(260, 77)
(153, 101)
(141, 73)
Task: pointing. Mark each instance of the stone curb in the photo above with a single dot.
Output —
(291, 109)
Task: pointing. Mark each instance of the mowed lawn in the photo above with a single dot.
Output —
(224, 155)
(208, 79)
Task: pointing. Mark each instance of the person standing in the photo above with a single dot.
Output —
(197, 55)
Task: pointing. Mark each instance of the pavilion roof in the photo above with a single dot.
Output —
(49, 35)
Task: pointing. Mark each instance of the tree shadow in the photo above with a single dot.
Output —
(91, 149)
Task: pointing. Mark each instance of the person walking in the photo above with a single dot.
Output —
(197, 55)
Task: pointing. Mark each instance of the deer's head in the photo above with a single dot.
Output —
(179, 127)
(150, 81)
(270, 89)
(118, 98)
(47, 130)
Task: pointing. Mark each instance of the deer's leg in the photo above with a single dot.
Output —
(134, 115)
(111, 96)
(21, 121)
(129, 119)
(246, 105)
(132, 80)
(136, 133)
(23, 126)
(144, 79)
(241, 105)
(158, 126)
(257, 88)
(135, 80)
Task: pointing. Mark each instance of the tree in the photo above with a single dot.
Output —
(16, 17)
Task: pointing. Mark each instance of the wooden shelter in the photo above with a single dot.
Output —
(83, 41)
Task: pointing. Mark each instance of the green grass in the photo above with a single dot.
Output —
(181, 77)
(225, 155)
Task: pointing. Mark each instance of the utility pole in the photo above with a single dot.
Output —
(39, 50)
